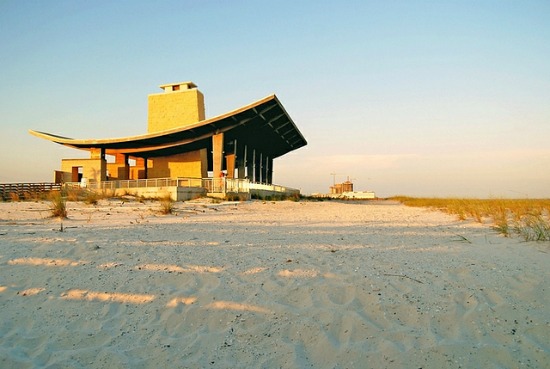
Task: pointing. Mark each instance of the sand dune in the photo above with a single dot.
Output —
(267, 285)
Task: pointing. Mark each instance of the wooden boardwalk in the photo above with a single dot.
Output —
(9, 191)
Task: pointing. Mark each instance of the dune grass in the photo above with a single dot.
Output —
(528, 218)
(166, 204)
(90, 197)
(58, 204)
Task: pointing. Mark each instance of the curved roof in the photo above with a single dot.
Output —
(264, 125)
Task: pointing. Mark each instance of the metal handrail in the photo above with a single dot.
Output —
(212, 185)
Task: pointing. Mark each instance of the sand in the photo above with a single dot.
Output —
(267, 285)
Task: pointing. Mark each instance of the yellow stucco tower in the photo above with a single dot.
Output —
(180, 104)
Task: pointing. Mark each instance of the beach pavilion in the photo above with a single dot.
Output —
(184, 153)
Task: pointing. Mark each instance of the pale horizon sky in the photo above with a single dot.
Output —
(419, 98)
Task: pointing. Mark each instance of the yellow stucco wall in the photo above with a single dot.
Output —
(175, 109)
(91, 168)
(192, 164)
(62, 177)
(117, 171)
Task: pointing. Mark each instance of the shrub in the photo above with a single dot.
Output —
(294, 197)
(500, 220)
(91, 198)
(233, 196)
(58, 206)
(166, 205)
(73, 193)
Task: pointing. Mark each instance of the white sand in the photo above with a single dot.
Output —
(267, 285)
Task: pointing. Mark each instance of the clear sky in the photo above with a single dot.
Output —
(422, 98)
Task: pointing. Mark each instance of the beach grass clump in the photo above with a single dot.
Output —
(500, 221)
(58, 205)
(166, 204)
(37, 196)
(91, 197)
(534, 227)
(73, 193)
(528, 218)
(86, 195)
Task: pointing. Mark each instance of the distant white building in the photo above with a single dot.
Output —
(357, 195)
(348, 195)
(345, 191)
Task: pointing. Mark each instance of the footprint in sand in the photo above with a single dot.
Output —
(342, 295)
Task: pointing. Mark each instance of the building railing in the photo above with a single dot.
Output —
(138, 183)
(270, 187)
(224, 185)
(212, 185)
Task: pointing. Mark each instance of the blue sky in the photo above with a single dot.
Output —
(422, 98)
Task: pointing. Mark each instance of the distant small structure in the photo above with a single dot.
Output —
(340, 188)
(345, 190)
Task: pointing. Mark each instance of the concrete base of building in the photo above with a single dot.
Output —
(183, 189)
(175, 193)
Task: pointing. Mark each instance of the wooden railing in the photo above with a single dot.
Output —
(11, 191)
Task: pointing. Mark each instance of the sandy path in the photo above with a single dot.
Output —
(284, 284)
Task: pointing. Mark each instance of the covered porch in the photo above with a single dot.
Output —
(241, 144)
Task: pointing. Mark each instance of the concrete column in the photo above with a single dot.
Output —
(254, 175)
(127, 166)
(250, 164)
(103, 166)
(145, 167)
(231, 161)
(100, 173)
(217, 155)
(230, 165)
(269, 170)
(261, 168)
(241, 164)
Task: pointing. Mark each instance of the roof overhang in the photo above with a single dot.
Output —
(264, 125)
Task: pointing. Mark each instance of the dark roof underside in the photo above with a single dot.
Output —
(263, 125)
